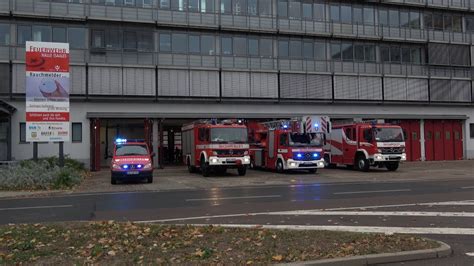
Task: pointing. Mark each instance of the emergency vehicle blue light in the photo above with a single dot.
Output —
(125, 166)
(299, 155)
(139, 166)
(316, 125)
(285, 126)
(315, 155)
(119, 140)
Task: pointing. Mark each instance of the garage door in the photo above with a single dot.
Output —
(411, 129)
(443, 140)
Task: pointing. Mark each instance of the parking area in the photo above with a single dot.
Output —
(178, 178)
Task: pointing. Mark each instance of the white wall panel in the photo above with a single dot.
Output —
(19, 78)
(346, 87)
(370, 88)
(105, 81)
(204, 83)
(139, 81)
(264, 85)
(319, 86)
(173, 82)
(417, 90)
(77, 80)
(395, 89)
(236, 84)
(460, 91)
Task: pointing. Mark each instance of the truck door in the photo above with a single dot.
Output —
(349, 145)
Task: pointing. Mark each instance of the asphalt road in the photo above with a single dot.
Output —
(442, 210)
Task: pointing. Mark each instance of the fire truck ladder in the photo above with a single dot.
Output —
(278, 123)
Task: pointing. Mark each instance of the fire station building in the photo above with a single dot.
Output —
(143, 68)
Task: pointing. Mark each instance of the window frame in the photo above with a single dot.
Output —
(72, 132)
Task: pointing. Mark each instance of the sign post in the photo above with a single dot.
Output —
(47, 94)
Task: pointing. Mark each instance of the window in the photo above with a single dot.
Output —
(113, 40)
(178, 5)
(383, 17)
(76, 38)
(208, 45)
(335, 16)
(207, 6)
(23, 132)
(226, 7)
(395, 54)
(41, 33)
(194, 44)
(284, 139)
(347, 52)
(471, 131)
(394, 19)
(5, 78)
(406, 57)
(282, 8)
(265, 7)
(226, 46)
(253, 47)
(59, 34)
(369, 54)
(98, 39)
(320, 50)
(437, 21)
(308, 50)
(76, 132)
(369, 17)
(428, 20)
(165, 42)
(457, 23)
(240, 7)
(359, 52)
(415, 55)
(448, 22)
(145, 41)
(307, 6)
(283, 49)
(470, 24)
(179, 43)
(266, 47)
(385, 53)
(335, 51)
(346, 14)
(319, 11)
(193, 5)
(4, 34)
(349, 135)
(130, 40)
(240, 46)
(23, 34)
(295, 49)
(252, 7)
(164, 4)
(294, 8)
(404, 19)
(358, 17)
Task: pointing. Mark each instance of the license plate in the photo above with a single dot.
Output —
(132, 173)
(230, 161)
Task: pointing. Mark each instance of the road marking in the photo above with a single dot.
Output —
(197, 218)
(360, 229)
(371, 191)
(380, 213)
(232, 198)
(442, 203)
(470, 254)
(466, 187)
(35, 207)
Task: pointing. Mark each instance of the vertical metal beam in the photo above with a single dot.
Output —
(161, 152)
(35, 151)
(155, 144)
(61, 154)
(9, 138)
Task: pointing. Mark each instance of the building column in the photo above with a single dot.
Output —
(155, 137)
(422, 140)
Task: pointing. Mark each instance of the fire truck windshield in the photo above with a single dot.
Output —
(308, 139)
(231, 134)
(388, 134)
(131, 149)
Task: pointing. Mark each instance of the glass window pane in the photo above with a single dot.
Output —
(226, 7)
(164, 4)
(385, 53)
(394, 18)
(77, 38)
(41, 33)
(98, 39)
(415, 56)
(346, 14)
(207, 6)
(369, 17)
(335, 51)
(335, 17)
(165, 42)
(4, 34)
(395, 54)
(240, 46)
(252, 7)
(448, 22)
(406, 58)
(383, 17)
(283, 48)
(179, 43)
(319, 11)
(240, 7)
(112, 39)
(438, 21)
(295, 49)
(145, 41)
(22, 132)
(265, 7)
(308, 50)
(294, 8)
(76, 132)
(358, 18)
(457, 23)
(130, 40)
(283, 8)
(178, 5)
(320, 51)
(359, 52)
(369, 53)
(307, 9)
(404, 19)
(253, 47)
(428, 20)
(266, 47)
(193, 5)
(470, 24)
(414, 20)
(208, 45)
(226, 43)
(59, 34)
(347, 52)
(194, 44)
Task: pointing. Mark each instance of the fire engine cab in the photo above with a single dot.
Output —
(295, 144)
(365, 144)
(211, 145)
(132, 160)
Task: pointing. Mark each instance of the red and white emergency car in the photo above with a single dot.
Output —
(211, 145)
(131, 160)
(366, 144)
(295, 144)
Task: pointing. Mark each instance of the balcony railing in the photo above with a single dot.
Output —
(454, 4)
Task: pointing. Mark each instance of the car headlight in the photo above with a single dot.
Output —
(116, 166)
(292, 164)
(214, 160)
(148, 166)
(379, 150)
(247, 159)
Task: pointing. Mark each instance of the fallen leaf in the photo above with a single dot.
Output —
(249, 262)
(111, 253)
(277, 258)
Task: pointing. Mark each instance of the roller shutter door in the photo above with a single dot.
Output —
(293, 86)
(438, 54)
(440, 90)
(417, 89)
(395, 89)
(105, 80)
(139, 81)
(264, 85)
(173, 82)
(460, 91)
(77, 80)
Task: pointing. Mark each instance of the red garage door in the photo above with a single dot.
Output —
(458, 140)
(448, 140)
(443, 140)
(429, 140)
(411, 129)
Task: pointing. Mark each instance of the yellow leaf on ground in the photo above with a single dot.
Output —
(277, 257)
(111, 253)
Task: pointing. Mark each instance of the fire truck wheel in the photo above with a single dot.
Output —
(242, 170)
(362, 164)
(392, 166)
(149, 180)
(279, 166)
(312, 171)
(113, 181)
(204, 168)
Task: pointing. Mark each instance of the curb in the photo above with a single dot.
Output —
(443, 251)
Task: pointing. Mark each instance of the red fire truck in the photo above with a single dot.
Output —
(365, 144)
(211, 145)
(282, 145)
